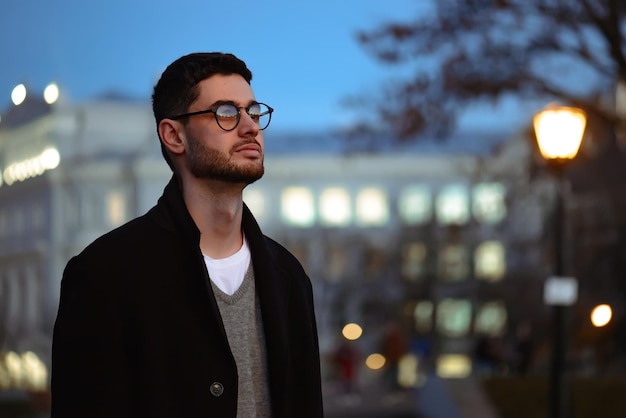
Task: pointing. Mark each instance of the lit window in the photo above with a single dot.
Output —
(454, 317)
(371, 207)
(490, 261)
(491, 319)
(255, 200)
(488, 203)
(423, 316)
(116, 210)
(335, 207)
(452, 205)
(453, 263)
(297, 207)
(407, 371)
(454, 366)
(414, 205)
(413, 260)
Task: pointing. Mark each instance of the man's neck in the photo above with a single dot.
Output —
(216, 208)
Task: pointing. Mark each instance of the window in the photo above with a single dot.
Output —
(335, 207)
(297, 206)
(491, 319)
(490, 261)
(453, 263)
(116, 208)
(413, 260)
(488, 203)
(415, 205)
(423, 315)
(255, 200)
(372, 207)
(454, 317)
(453, 366)
(452, 205)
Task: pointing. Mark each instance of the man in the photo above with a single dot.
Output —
(189, 310)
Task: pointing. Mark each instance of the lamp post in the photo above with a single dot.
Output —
(559, 131)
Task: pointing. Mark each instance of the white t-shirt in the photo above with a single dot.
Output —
(228, 273)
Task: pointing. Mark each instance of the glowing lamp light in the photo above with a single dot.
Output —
(51, 93)
(601, 315)
(18, 95)
(49, 159)
(352, 331)
(375, 361)
(559, 131)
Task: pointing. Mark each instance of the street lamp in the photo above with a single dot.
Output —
(559, 131)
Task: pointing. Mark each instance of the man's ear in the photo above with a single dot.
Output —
(172, 136)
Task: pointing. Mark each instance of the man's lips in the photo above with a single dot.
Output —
(250, 149)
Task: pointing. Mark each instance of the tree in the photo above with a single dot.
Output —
(463, 52)
(467, 51)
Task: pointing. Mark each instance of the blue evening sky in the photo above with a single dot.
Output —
(303, 54)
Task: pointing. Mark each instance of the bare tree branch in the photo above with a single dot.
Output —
(486, 49)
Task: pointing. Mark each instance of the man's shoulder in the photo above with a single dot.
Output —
(125, 239)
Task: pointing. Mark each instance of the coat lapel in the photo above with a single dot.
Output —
(273, 289)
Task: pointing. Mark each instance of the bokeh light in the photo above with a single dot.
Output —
(352, 331)
(51, 93)
(375, 361)
(18, 95)
(601, 315)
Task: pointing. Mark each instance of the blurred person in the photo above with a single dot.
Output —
(190, 310)
(345, 359)
(489, 355)
(394, 347)
(523, 347)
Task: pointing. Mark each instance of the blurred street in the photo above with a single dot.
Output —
(436, 398)
(372, 403)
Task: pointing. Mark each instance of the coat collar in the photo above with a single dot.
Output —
(272, 284)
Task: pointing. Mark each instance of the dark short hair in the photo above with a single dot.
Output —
(177, 88)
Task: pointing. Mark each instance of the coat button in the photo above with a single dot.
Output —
(217, 389)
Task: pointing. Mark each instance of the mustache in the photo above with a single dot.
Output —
(244, 143)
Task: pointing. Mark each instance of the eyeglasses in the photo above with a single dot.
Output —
(227, 115)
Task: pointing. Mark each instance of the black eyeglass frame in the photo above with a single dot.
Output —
(213, 110)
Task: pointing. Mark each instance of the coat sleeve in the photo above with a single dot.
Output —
(89, 364)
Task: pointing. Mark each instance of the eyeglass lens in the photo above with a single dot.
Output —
(228, 115)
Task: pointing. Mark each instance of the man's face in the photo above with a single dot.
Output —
(215, 154)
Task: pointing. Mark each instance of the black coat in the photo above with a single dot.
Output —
(139, 334)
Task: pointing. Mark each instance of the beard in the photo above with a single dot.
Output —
(208, 163)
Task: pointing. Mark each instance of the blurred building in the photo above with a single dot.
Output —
(443, 243)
